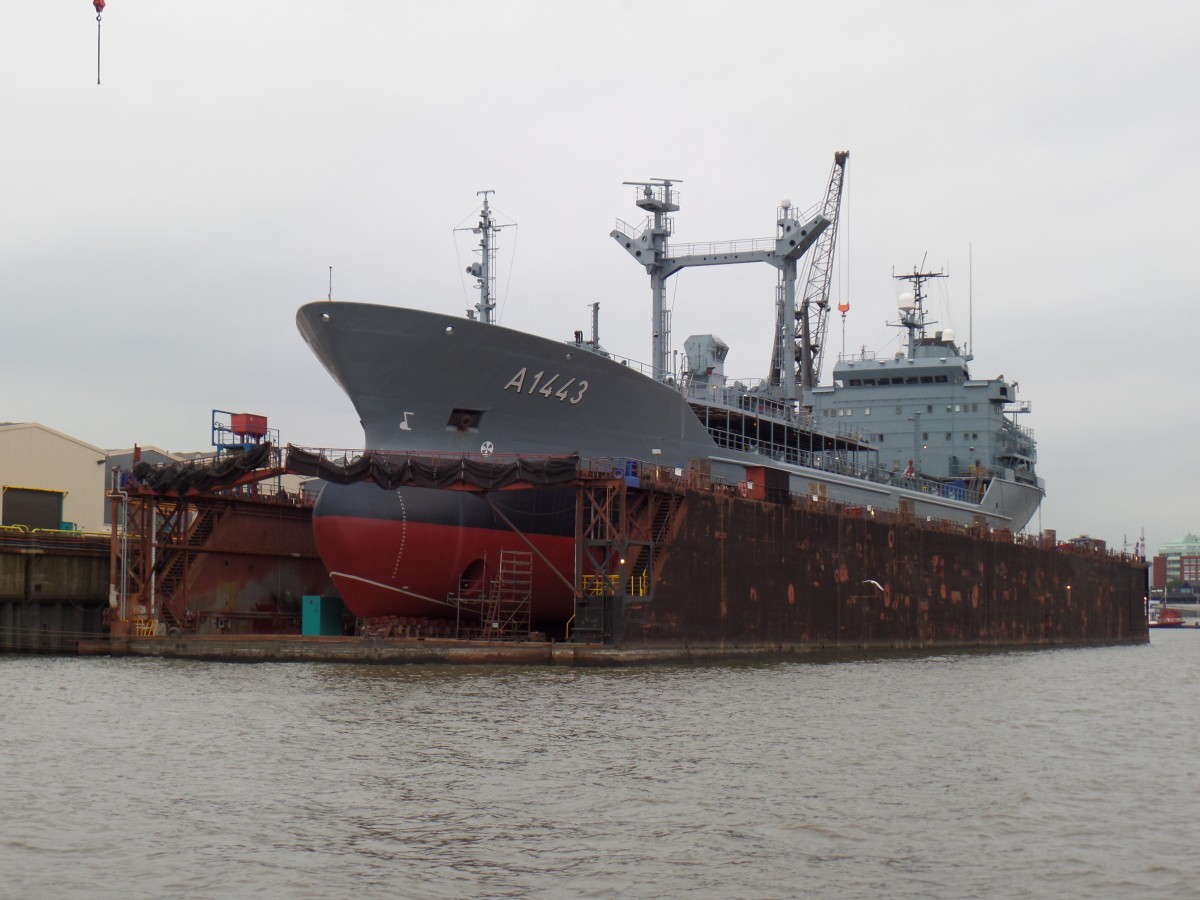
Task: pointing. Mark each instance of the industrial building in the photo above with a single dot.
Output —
(50, 480)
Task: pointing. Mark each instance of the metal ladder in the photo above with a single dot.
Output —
(506, 612)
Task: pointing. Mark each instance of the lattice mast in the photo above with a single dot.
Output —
(812, 312)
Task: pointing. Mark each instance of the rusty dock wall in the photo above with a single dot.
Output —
(751, 573)
(53, 589)
(673, 567)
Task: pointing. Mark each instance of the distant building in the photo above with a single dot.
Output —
(49, 479)
(1178, 562)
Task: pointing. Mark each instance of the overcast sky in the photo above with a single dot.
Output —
(160, 230)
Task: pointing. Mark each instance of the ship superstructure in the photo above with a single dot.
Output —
(924, 413)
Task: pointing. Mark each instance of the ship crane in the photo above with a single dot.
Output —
(649, 247)
(812, 313)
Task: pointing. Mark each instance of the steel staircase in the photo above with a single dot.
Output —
(171, 588)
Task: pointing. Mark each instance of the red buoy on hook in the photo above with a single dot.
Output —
(99, 4)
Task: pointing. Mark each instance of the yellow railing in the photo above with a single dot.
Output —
(607, 585)
(71, 532)
(600, 585)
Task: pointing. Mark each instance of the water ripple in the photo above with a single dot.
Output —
(1030, 774)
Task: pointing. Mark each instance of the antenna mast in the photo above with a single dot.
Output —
(484, 269)
(912, 306)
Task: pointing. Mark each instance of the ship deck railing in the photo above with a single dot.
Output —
(864, 356)
(1024, 431)
(633, 364)
(722, 248)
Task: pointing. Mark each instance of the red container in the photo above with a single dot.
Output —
(247, 424)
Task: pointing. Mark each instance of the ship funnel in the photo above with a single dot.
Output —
(907, 301)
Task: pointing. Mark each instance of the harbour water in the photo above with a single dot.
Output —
(1004, 774)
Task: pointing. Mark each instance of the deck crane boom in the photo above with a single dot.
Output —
(812, 312)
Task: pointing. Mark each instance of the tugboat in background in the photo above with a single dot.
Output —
(1166, 618)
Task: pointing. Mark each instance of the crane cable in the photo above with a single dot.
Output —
(99, 4)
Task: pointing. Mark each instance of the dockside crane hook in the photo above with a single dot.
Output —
(99, 4)
(843, 308)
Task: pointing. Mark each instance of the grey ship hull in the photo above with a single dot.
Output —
(434, 383)
(407, 372)
(413, 376)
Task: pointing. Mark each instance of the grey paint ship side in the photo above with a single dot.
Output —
(431, 382)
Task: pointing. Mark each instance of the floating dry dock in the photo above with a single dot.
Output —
(672, 566)
(397, 651)
(53, 588)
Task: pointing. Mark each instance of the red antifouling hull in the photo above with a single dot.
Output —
(390, 568)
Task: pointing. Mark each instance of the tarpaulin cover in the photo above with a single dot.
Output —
(393, 469)
(181, 477)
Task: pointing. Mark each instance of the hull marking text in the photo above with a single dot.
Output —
(570, 390)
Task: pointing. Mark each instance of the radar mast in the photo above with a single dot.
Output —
(912, 307)
(485, 269)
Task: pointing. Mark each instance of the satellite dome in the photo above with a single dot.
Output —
(907, 301)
